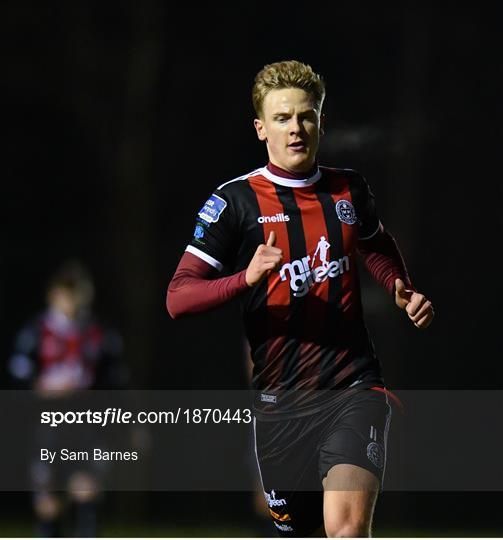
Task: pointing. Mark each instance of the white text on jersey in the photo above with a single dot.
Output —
(278, 218)
(302, 274)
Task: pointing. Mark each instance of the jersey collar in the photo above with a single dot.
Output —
(288, 182)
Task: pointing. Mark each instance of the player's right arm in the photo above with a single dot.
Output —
(195, 287)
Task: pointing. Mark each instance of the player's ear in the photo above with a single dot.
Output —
(260, 129)
(322, 124)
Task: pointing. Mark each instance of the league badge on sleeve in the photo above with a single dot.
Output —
(345, 212)
(212, 209)
(198, 232)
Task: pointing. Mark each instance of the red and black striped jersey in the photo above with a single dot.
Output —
(305, 322)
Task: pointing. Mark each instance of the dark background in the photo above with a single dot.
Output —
(120, 118)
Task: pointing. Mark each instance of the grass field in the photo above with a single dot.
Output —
(13, 529)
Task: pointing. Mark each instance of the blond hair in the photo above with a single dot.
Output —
(287, 74)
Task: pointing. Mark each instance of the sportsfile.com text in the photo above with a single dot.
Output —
(114, 415)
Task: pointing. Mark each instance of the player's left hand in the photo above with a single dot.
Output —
(418, 307)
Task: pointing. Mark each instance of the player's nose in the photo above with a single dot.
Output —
(295, 126)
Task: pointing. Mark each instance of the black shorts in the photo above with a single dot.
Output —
(295, 455)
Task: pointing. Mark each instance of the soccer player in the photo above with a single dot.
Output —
(64, 350)
(289, 233)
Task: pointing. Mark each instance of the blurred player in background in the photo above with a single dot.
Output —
(59, 352)
(289, 234)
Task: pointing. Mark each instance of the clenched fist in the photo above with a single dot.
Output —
(266, 259)
(418, 308)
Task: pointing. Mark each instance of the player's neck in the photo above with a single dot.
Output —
(278, 171)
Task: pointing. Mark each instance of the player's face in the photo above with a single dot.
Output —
(65, 301)
(291, 126)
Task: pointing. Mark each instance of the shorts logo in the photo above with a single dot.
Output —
(280, 517)
(272, 501)
(198, 232)
(303, 273)
(375, 454)
(267, 398)
(345, 212)
(278, 218)
(283, 527)
(212, 209)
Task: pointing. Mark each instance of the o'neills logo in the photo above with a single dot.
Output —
(278, 218)
(303, 273)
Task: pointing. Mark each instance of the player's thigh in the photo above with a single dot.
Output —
(350, 494)
(47, 505)
(357, 435)
(352, 463)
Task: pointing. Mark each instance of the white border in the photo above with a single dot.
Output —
(242, 177)
(205, 257)
(304, 182)
(256, 453)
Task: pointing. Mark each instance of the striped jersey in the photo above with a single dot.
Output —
(304, 322)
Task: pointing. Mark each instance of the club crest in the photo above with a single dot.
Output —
(375, 454)
(345, 212)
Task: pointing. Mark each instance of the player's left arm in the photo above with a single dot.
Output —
(419, 309)
(22, 366)
(384, 261)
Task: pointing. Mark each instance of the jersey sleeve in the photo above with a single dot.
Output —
(368, 220)
(216, 232)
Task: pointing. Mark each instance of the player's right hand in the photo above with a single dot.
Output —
(267, 258)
